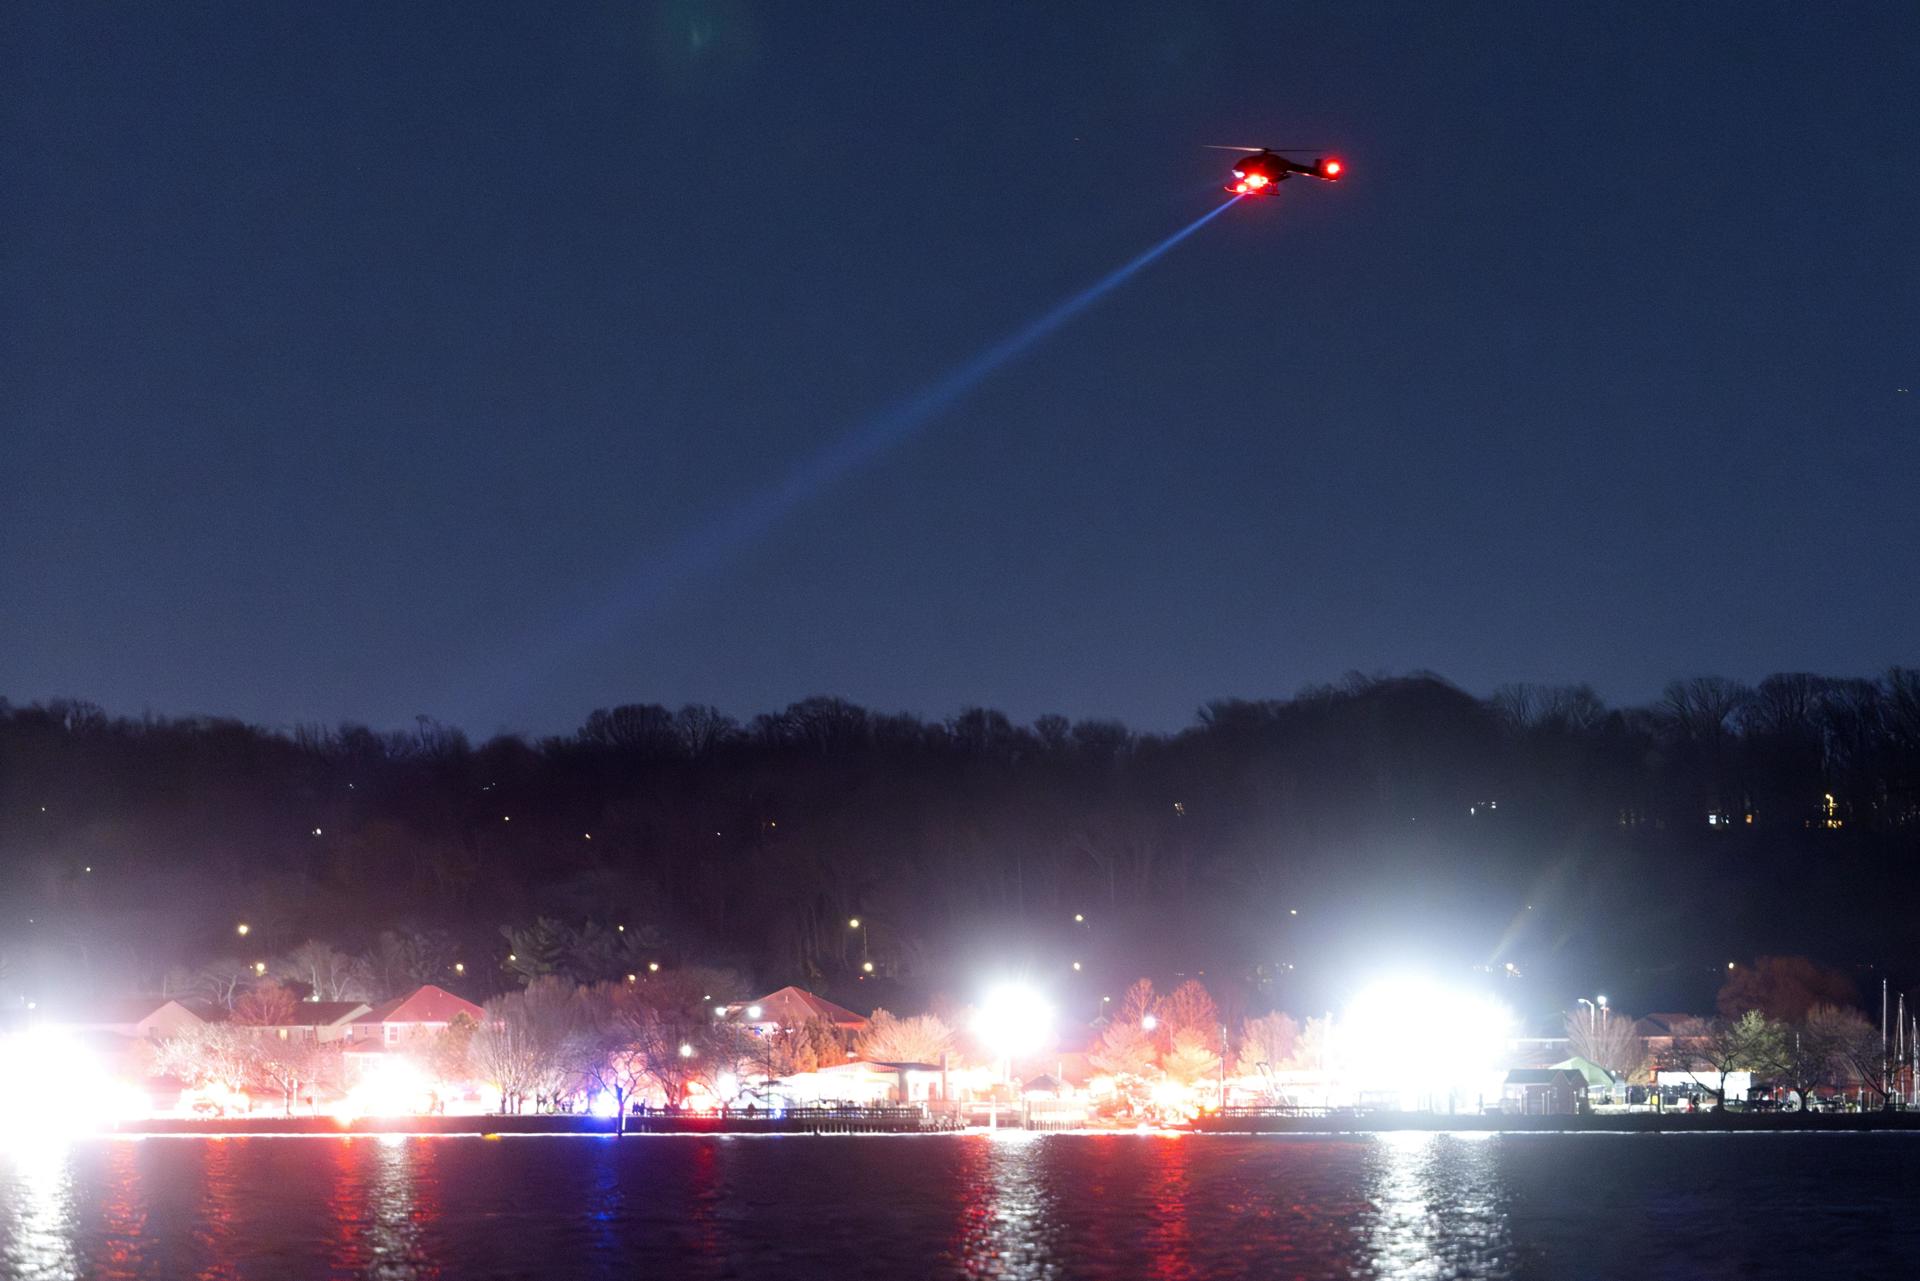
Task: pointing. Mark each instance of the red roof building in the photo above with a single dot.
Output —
(792, 1006)
(425, 1010)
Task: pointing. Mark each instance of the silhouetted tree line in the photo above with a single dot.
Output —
(1779, 816)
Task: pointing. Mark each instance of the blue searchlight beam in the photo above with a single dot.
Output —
(761, 510)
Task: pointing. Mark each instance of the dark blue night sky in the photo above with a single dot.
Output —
(367, 360)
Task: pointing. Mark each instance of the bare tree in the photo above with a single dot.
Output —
(1606, 1037)
(218, 982)
(1267, 1044)
(327, 972)
(209, 1054)
(612, 1026)
(528, 1043)
(1859, 1050)
(1751, 1043)
(264, 1005)
(912, 1040)
(291, 1060)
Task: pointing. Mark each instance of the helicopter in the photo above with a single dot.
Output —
(1265, 168)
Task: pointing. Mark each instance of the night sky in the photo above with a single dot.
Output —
(368, 360)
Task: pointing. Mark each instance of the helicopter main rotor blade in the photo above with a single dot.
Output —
(1257, 150)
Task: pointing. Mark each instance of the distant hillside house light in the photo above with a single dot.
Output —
(621, 928)
(653, 967)
(459, 967)
(243, 929)
(1076, 966)
(633, 978)
(1079, 918)
(259, 967)
(316, 831)
(512, 957)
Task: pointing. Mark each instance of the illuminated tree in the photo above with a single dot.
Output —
(1310, 1050)
(209, 1054)
(887, 1039)
(265, 1004)
(450, 1054)
(1126, 1051)
(292, 1059)
(1267, 1044)
(1191, 1058)
(1190, 1008)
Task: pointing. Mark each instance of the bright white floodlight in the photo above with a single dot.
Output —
(1014, 1021)
(1409, 1032)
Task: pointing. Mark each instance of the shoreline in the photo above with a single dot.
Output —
(1243, 1126)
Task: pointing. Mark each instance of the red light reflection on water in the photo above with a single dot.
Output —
(123, 1215)
(384, 1194)
(1005, 1222)
(703, 1194)
(213, 1230)
(1169, 1236)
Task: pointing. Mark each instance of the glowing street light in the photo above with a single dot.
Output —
(459, 967)
(259, 967)
(653, 967)
(854, 924)
(753, 1013)
(686, 1050)
(866, 966)
(243, 929)
(1148, 1023)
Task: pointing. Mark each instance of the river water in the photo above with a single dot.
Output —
(1643, 1207)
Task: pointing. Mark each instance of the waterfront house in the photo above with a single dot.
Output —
(790, 1007)
(417, 1016)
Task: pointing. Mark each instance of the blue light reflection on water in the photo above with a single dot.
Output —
(1421, 1206)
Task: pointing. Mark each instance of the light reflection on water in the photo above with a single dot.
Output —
(37, 1221)
(1006, 1228)
(1439, 1208)
(1013, 1206)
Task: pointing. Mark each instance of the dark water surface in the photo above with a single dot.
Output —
(1644, 1207)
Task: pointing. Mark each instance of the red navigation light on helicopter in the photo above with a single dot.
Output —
(1263, 169)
